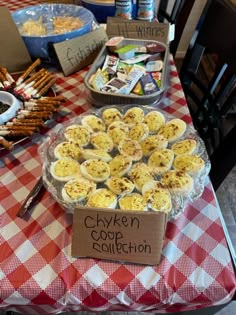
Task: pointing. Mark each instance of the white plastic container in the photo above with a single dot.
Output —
(14, 104)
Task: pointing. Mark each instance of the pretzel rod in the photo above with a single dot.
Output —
(29, 114)
(35, 76)
(35, 121)
(14, 133)
(2, 76)
(4, 80)
(42, 103)
(19, 89)
(8, 77)
(17, 128)
(45, 83)
(28, 71)
(23, 125)
(40, 108)
(40, 82)
(30, 81)
(26, 91)
(29, 92)
(47, 87)
(59, 98)
(26, 94)
(6, 144)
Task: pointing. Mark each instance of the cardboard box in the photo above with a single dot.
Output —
(130, 236)
(13, 54)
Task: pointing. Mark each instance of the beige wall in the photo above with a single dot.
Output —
(190, 26)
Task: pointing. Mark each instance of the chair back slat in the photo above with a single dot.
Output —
(177, 14)
(208, 77)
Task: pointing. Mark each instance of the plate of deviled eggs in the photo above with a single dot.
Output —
(125, 158)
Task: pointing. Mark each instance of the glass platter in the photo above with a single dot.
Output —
(56, 136)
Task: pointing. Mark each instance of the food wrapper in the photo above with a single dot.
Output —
(123, 68)
(111, 62)
(148, 84)
(138, 89)
(114, 43)
(132, 78)
(99, 80)
(155, 48)
(126, 52)
(57, 136)
(109, 73)
(115, 85)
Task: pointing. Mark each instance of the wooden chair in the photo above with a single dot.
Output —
(208, 77)
(176, 13)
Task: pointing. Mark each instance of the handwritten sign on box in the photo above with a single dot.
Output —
(137, 29)
(132, 236)
(76, 53)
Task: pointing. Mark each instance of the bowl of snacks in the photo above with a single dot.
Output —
(42, 25)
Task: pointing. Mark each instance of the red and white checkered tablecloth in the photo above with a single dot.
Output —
(38, 274)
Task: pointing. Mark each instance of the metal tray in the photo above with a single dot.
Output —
(100, 99)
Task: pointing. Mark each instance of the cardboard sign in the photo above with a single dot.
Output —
(76, 53)
(118, 235)
(137, 29)
(13, 53)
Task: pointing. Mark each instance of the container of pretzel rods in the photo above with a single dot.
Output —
(35, 105)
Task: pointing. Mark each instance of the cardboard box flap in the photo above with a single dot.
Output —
(137, 29)
(13, 53)
(76, 53)
(131, 236)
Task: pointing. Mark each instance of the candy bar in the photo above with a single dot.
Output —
(115, 85)
(99, 80)
(148, 84)
(138, 89)
(132, 78)
(110, 62)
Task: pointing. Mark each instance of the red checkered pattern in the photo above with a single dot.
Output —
(38, 274)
